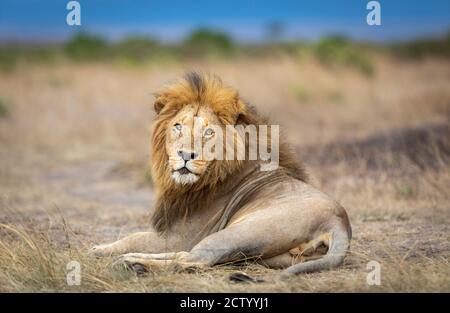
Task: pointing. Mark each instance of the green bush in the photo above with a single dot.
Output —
(207, 42)
(332, 51)
(137, 49)
(86, 47)
(424, 47)
(4, 111)
(8, 58)
(13, 54)
(337, 50)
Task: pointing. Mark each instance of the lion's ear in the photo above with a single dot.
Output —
(241, 119)
(159, 103)
(244, 115)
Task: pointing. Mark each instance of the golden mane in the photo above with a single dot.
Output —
(179, 201)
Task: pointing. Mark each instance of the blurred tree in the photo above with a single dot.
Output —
(338, 50)
(424, 47)
(208, 42)
(137, 49)
(84, 47)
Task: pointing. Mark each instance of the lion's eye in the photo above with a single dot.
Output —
(209, 132)
(177, 126)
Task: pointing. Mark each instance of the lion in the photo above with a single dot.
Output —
(214, 211)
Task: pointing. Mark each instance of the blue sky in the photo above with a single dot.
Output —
(245, 20)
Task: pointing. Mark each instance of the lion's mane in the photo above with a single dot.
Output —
(179, 201)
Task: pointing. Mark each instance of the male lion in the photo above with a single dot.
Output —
(217, 211)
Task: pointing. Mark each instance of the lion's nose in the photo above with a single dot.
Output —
(187, 156)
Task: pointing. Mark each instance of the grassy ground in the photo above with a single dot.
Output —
(74, 145)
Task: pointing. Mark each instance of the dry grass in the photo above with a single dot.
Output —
(74, 150)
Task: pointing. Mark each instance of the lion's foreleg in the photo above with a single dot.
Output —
(228, 245)
(137, 242)
(142, 262)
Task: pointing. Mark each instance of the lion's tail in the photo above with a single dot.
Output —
(338, 248)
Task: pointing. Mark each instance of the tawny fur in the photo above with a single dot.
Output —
(233, 210)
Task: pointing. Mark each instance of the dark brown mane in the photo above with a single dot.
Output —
(175, 202)
(197, 83)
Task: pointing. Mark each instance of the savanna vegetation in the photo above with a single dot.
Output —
(370, 122)
(205, 43)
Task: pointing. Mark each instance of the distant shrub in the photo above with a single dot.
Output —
(424, 47)
(295, 47)
(207, 42)
(42, 54)
(130, 51)
(338, 50)
(8, 58)
(4, 111)
(332, 51)
(13, 54)
(86, 47)
(137, 49)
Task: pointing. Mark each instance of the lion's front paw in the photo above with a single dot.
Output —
(100, 250)
(130, 261)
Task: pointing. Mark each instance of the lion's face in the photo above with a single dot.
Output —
(188, 132)
(189, 138)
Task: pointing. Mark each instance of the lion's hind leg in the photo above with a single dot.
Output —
(311, 250)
